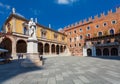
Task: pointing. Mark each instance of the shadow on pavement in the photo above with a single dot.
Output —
(107, 57)
(10, 70)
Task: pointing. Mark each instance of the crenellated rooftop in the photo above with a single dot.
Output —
(91, 19)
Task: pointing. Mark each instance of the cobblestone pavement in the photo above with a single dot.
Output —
(64, 70)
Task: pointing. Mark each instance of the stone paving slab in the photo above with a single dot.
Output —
(64, 70)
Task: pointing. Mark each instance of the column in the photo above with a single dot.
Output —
(93, 51)
(43, 48)
(55, 50)
(109, 51)
(14, 49)
(101, 51)
(50, 48)
(59, 49)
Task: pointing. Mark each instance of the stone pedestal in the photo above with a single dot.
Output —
(32, 60)
(32, 57)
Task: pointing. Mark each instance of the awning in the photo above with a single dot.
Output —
(3, 50)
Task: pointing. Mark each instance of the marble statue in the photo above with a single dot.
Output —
(32, 29)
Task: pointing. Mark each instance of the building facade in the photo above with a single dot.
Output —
(95, 37)
(14, 37)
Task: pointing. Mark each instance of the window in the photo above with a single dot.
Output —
(63, 38)
(74, 31)
(88, 28)
(88, 35)
(24, 30)
(75, 45)
(79, 44)
(74, 39)
(114, 22)
(98, 42)
(43, 33)
(97, 26)
(111, 32)
(70, 46)
(80, 30)
(70, 33)
(80, 36)
(108, 41)
(104, 24)
(99, 33)
(70, 40)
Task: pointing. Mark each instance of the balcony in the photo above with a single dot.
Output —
(108, 44)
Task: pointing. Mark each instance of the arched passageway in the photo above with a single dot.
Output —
(89, 52)
(114, 52)
(57, 49)
(98, 52)
(105, 52)
(46, 47)
(21, 46)
(40, 48)
(53, 48)
(7, 44)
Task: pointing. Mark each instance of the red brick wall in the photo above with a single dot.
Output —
(93, 30)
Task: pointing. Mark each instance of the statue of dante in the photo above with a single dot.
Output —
(32, 29)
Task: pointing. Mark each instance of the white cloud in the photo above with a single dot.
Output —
(4, 6)
(35, 11)
(60, 29)
(66, 2)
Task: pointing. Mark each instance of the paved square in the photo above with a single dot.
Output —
(64, 70)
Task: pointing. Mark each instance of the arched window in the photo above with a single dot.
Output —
(111, 32)
(99, 33)
(25, 31)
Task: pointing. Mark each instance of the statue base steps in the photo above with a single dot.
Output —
(32, 60)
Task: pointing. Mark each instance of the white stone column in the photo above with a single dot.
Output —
(14, 49)
(59, 49)
(84, 51)
(43, 48)
(93, 51)
(50, 49)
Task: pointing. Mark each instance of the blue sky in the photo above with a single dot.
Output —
(58, 13)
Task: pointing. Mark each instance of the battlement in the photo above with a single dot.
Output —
(90, 19)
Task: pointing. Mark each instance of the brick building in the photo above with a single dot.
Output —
(99, 36)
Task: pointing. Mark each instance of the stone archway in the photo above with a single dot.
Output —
(21, 46)
(40, 48)
(105, 52)
(53, 48)
(114, 52)
(89, 52)
(7, 44)
(98, 52)
(46, 47)
(57, 49)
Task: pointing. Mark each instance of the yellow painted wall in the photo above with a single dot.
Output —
(19, 26)
(49, 34)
